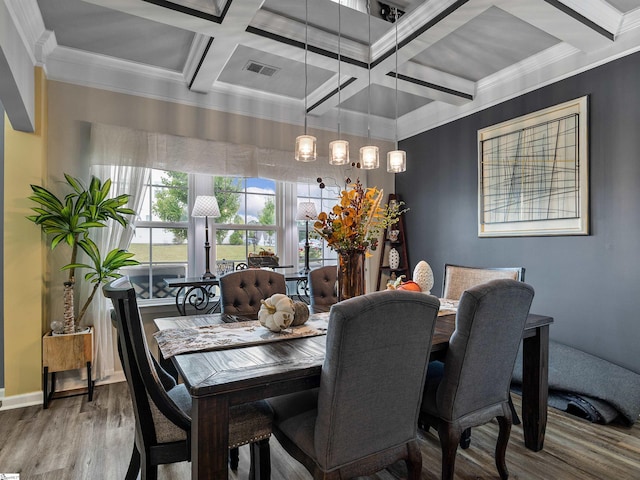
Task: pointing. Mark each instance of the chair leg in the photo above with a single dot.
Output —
(501, 446)
(465, 439)
(449, 440)
(260, 468)
(514, 415)
(234, 458)
(414, 461)
(134, 464)
(148, 471)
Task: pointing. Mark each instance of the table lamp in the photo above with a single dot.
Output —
(306, 211)
(206, 206)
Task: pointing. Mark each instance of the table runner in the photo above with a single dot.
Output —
(174, 341)
(448, 306)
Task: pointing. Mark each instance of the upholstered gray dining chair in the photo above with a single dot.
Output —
(458, 278)
(162, 407)
(364, 415)
(323, 291)
(473, 387)
(242, 290)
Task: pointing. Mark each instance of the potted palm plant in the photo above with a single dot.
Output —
(71, 220)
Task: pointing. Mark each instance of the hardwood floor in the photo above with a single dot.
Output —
(77, 440)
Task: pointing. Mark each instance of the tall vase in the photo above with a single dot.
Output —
(350, 274)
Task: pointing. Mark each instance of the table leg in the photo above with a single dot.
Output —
(210, 437)
(535, 387)
(180, 305)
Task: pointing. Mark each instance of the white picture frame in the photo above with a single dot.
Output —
(533, 174)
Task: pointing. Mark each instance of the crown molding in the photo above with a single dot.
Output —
(528, 66)
(46, 44)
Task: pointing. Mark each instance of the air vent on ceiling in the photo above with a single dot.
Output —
(260, 68)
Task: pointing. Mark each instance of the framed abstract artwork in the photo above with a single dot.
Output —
(533, 176)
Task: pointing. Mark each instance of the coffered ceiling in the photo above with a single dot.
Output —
(454, 57)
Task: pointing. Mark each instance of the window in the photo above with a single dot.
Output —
(253, 218)
(161, 235)
(324, 199)
(248, 222)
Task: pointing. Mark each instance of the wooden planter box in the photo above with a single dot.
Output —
(66, 352)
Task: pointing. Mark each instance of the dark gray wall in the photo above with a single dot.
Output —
(589, 284)
(1, 246)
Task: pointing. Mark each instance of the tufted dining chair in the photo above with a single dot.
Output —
(473, 387)
(364, 415)
(162, 408)
(242, 290)
(323, 291)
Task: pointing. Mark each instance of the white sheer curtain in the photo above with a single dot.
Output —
(127, 179)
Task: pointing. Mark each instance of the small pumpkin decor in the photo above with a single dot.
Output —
(401, 284)
(279, 312)
(301, 314)
(276, 312)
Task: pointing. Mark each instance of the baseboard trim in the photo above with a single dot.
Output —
(36, 398)
(19, 401)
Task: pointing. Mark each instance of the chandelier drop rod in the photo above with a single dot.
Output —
(339, 63)
(396, 22)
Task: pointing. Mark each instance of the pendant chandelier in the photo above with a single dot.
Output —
(369, 154)
(339, 149)
(396, 159)
(305, 144)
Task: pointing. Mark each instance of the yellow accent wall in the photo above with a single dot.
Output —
(24, 266)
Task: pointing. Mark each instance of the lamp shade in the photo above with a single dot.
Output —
(306, 211)
(396, 161)
(305, 148)
(369, 157)
(339, 152)
(205, 206)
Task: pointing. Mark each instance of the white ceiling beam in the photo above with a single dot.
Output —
(18, 33)
(599, 12)
(545, 16)
(227, 37)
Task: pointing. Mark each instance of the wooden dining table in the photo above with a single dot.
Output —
(220, 379)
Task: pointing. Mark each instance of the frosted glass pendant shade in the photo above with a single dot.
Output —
(305, 148)
(339, 152)
(396, 161)
(369, 157)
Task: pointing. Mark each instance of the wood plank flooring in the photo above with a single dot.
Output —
(77, 440)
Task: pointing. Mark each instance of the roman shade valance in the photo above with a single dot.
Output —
(195, 155)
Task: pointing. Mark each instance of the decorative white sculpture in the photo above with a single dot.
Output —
(423, 276)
